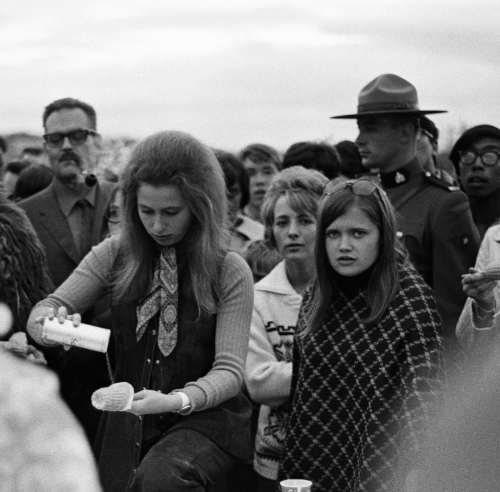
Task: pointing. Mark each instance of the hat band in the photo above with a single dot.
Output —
(370, 107)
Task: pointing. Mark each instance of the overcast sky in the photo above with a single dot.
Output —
(236, 72)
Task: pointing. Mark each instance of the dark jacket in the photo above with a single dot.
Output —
(54, 233)
(437, 229)
(142, 365)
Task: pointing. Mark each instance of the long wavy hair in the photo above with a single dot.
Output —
(24, 275)
(384, 280)
(174, 158)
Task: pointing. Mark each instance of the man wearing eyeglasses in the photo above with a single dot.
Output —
(476, 157)
(435, 223)
(69, 217)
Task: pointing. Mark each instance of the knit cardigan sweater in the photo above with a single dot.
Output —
(362, 395)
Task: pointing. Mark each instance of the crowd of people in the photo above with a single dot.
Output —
(294, 315)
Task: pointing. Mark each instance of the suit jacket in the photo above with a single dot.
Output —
(436, 226)
(54, 232)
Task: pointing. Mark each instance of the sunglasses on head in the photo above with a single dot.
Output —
(76, 137)
(360, 187)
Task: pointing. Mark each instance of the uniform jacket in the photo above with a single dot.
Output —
(54, 233)
(437, 229)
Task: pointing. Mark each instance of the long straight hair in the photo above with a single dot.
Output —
(384, 280)
(174, 158)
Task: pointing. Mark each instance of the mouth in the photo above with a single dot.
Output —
(70, 159)
(477, 180)
(346, 260)
(293, 246)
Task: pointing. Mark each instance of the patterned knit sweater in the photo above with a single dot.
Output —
(363, 394)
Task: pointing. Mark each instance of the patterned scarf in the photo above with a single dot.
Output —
(163, 298)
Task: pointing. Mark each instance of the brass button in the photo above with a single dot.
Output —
(148, 361)
(153, 332)
(157, 362)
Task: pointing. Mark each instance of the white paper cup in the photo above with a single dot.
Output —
(85, 336)
(295, 485)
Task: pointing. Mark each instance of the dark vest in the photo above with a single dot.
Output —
(142, 364)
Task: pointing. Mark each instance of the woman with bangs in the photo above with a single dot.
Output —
(289, 211)
(367, 360)
(181, 310)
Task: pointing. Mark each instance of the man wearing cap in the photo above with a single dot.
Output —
(476, 156)
(436, 224)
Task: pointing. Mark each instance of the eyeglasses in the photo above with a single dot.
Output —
(488, 158)
(76, 137)
(360, 187)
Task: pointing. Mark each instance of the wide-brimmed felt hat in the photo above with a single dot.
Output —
(388, 94)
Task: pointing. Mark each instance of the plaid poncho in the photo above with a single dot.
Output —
(363, 394)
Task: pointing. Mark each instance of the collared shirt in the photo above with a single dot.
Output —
(74, 215)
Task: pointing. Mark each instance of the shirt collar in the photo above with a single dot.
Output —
(67, 199)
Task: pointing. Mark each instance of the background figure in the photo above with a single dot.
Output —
(42, 447)
(35, 178)
(427, 150)
(320, 156)
(243, 229)
(3, 150)
(475, 156)
(261, 259)
(262, 163)
(368, 351)
(435, 221)
(12, 171)
(23, 267)
(35, 155)
(351, 166)
(289, 211)
(69, 218)
(181, 311)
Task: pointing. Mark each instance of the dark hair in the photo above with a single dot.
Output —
(3, 144)
(234, 173)
(175, 158)
(23, 266)
(303, 189)
(261, 259)
(33, 179)
(429, 126)
(320, 156)
(384, 279)
(70, 103)
(36, 151)
(350, 160)
(16, 167)
(258, 152)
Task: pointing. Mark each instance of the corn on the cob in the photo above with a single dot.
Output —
(114, 398)
(492, 273)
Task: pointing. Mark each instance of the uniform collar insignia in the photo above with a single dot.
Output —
(395, 178)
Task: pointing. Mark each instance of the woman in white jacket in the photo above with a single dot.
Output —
(289, 211)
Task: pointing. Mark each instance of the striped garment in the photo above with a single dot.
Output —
(363, 394)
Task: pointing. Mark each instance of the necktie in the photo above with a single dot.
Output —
(163, 298)
(86, 223)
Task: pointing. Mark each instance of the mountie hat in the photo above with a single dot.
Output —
(388, 94)
(468, 137)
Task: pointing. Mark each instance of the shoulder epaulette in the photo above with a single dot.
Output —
(432, 178)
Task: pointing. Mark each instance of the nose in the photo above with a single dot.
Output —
(66, 143)
(158, 225)
(359, 139)
(478, 163)
(345, 243)
(293, 230)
